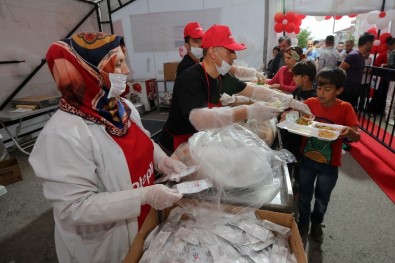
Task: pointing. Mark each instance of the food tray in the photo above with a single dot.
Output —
(323, 131)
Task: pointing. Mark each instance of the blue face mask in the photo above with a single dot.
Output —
(224, 68)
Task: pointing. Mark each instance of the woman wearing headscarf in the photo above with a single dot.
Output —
(283, 80)
(94, 157)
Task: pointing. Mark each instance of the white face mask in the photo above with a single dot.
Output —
(197, 52)
(118, 85)
(224, 68)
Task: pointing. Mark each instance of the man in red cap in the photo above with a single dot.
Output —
(195, 103)
(193, 33)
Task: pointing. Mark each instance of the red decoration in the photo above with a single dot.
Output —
(279, 27)
(327, 17)
(297, 30)
(383, 37)
(279, 17)
(290, 27)
(300, 16)
(372, 31)
(382, 48)
(137, 87)
(290, 16)
(297, 22)
(382, 14)
(352, 15)
(338, 17)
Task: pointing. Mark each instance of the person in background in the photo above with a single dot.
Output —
(328, 55)
(320, 161)
(193, 33)
(354, 65)
(311, 51)
(283, 80)
(284, 42)
(95, 159)
(195, 105)
(349, 46)
(304, 78)
(340, 47)
(275, 51)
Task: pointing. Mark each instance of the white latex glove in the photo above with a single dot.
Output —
(261, 112)
(300, 106)
(169, 165)
(205, 118)
(266, 94)
(159, 196)
(244, 72)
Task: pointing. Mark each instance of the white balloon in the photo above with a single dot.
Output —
(294, 41)
(22, 69)
(382, 23)
(372, 17)
(291, 35)
(319, 18)
(33, 60)
(377, 42)
(285, 21)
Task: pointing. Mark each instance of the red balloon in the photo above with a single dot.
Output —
(290, 27)
(300, 16)
(279, 27)
(279, 17)
(382, 48)
(373, 50)
(372, 31)
(382, 14)
(352, 15)
(297, 22)
(338, 17)
(290, 16)
(383, 37)
(297, 30)
(327, 17)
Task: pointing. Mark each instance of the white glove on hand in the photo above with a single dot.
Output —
(205, 118)
(300, 106)
(245, 73)
(261, 112)
(159, 196)
(169, 165)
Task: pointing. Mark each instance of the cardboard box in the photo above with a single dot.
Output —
(170, 70)
(136, 250)
(9, 172)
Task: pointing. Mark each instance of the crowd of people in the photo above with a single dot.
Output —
(97, 161)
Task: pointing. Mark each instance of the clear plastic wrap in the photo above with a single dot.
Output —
(202, 232)
(243, 169)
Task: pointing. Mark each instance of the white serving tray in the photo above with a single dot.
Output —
(312, 130)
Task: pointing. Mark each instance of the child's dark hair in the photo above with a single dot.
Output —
(306, 67)
(331, 75)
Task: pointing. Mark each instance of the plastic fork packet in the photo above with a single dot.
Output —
(279, 254)
(187, 235)
(255, 230)
(177, 176)
(282, 230)
(192, 187)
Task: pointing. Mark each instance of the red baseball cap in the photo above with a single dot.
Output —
(194, 30)
(220, 36)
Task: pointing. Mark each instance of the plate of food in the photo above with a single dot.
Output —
(310, 128)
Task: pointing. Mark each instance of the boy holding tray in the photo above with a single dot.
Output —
(320, 161)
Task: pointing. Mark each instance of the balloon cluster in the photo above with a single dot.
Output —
(379, 44)
(336, 17)
(289, 22)
(380, 19)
